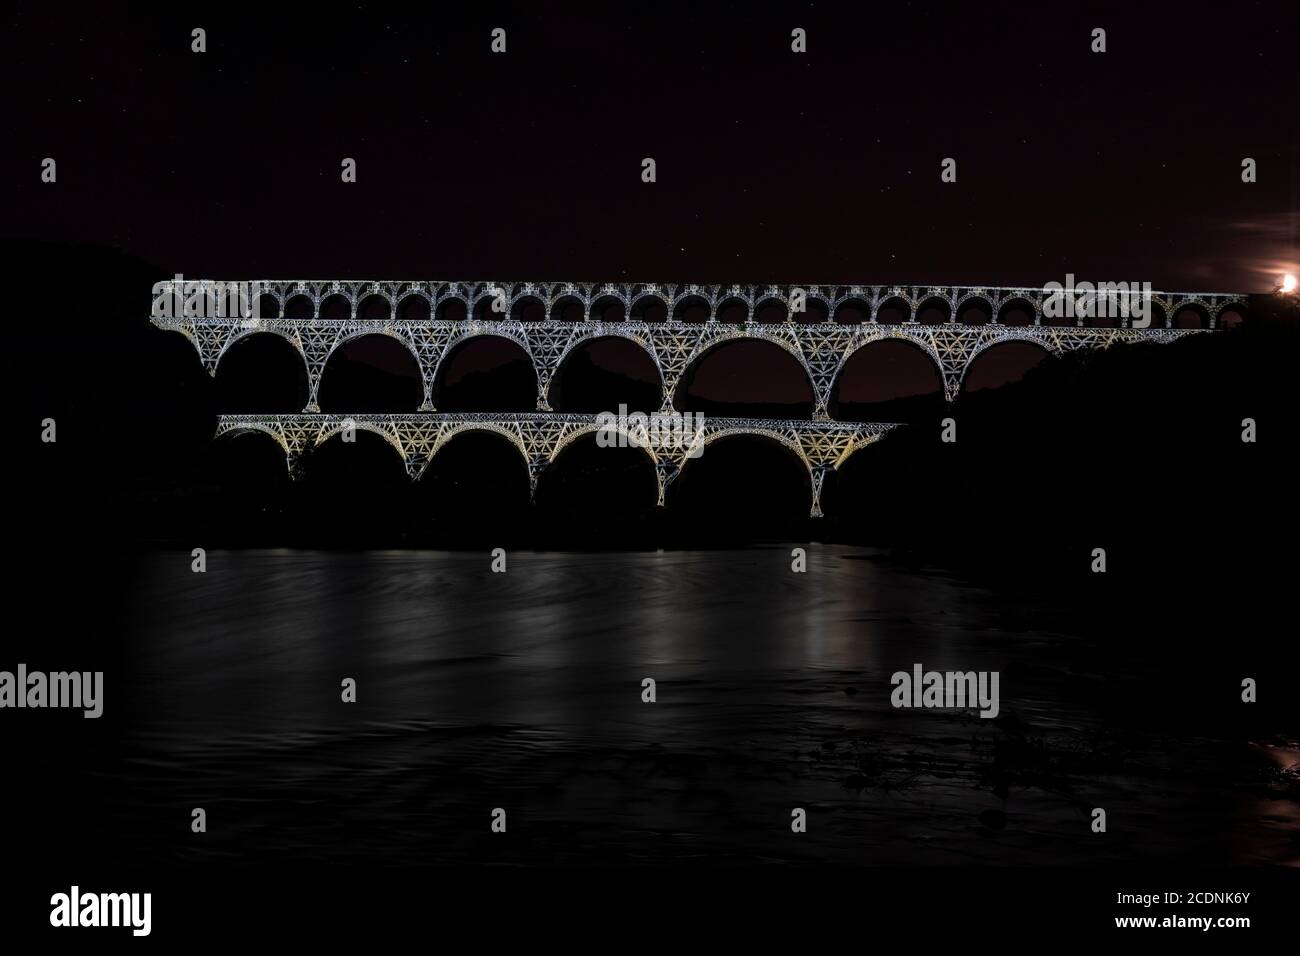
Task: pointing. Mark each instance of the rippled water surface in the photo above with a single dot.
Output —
(523, 691)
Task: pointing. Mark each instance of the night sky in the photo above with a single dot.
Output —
(772, 166)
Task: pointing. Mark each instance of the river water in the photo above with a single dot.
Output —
(523, 691)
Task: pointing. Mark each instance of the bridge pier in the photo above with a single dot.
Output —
(665, 472)
(819, 473)
(535, 467)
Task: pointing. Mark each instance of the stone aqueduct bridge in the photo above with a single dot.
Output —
(549, 320)
(337, 312)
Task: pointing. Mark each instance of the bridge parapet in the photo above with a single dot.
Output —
(363, 299)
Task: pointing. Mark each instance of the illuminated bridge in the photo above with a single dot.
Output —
(820, 446)
(677, 324)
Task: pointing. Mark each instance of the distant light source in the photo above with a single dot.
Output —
(1288, 284)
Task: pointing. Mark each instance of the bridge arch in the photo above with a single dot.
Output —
(891, 378)
(508, 383)
(476, 479)
(375, 307)
(763, 348)
(299, 307)
(745, 470)
(649, 307)
(609, 307)
(268, 305)
(255, 428)
(449, 434)
(1024, 346)
(568, 307)
(1190, 314)
(414, 307)
(1230, 315)
(817, 310)
(331, 429)
(733, 310)
(247, 477)
(452, 308)
(637, 356)
(693, 307)
(528, 307)
(893, 310)
(974, 308)
(586, 430)
(262, 370)
(361, 487)
(771, 310)
(851, 310)
(934, 310)
(367, 359)
(1017, 311)
(583, 482)
(336, 307)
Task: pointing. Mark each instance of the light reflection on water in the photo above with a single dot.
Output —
(523, 690)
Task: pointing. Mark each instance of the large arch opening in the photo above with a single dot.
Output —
(1002, 364)
(746, 378)
(742, 485)
(371, 373)
(600, 374)
(589, 491)
(486, 373)
(261, 373)
(889, 380)
(247, 483)
(477, 484)
(354, 490)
